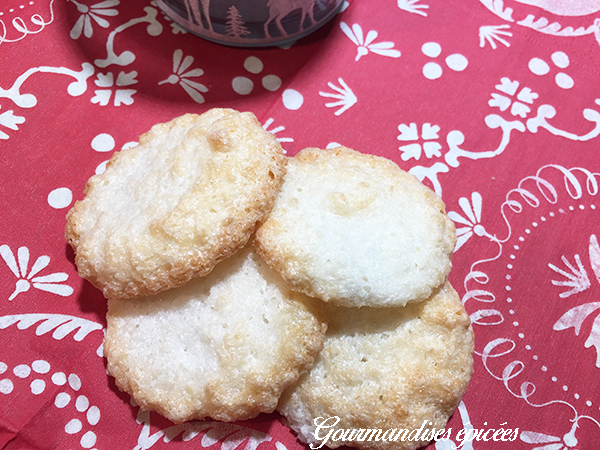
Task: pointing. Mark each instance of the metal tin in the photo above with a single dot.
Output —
(251, 23)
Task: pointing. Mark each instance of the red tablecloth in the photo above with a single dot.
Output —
(494, 104)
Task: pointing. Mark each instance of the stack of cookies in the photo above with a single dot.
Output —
(240, 281)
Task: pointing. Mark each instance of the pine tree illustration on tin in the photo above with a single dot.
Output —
(235, 24)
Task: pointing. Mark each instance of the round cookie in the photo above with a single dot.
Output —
(189, 195)
(356, 230)
(385, 369)
(223, 346)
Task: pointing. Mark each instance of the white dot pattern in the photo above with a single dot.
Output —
(535, 224)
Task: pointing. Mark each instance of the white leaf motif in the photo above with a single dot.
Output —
(430, 131)
(527, 96)
(276, 130)
(230, 435)
(124, 97)
(519, 109)
(492, 33)
(9, 120)
(499, 101)
(507, 86)
(575, 317)
(345, 96)
(410, 151)
(408, 133)
(413, 6)
(531, 437)
(62, 324)
(594, 339)
(497, 7)
(126, 79)
(578, 278)
(193, 90)
(432, 149)
(104, 80)
(102, 97)
(594, 251)
(543, 25)
(99, 20)
(356, 35)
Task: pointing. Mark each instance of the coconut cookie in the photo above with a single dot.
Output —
(385, 369)
(189, 195)
(356, 230)
(223, 346)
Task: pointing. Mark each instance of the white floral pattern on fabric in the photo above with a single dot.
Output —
(494, 33)
(9, 120)
(413, 6)
(243, 85)
(276, 130)
(42, 375)
(430, 147)
(343, 94)
(26, 277)
(226, 435)
(484, 96)
(433, 70)
(557, 25)
(579, 281)
(121, 96)
(75, 88)
(93, 12)
(567, 442)
(517, 108)
(154, 28)
(471, 219)
(181, 77)
(20, 28)
(62, 324)
(366, 43)
(492, 301)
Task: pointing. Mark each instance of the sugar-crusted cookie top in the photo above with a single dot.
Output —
(388, 369)
(188, 196)
(356, 230)
(223, 346)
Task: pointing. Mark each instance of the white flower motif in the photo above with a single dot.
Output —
(580, 282)
(365, 44)
(84, 23)
(472, 211)
(503, 102)
(122, 96)
(410, 133)
(412, 6)
(48, 283)
(180, 65)
(346, 97)
(276, 130)
(9, 120)
(492, 33)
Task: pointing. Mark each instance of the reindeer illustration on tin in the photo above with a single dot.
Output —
(243, 22)
(279, 9)
(193, 10)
